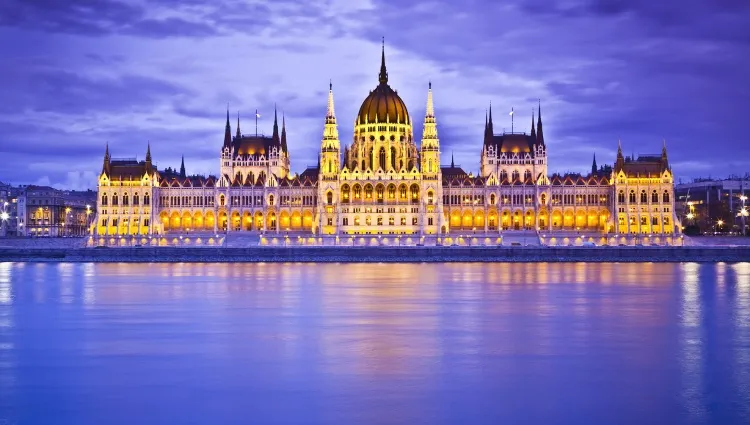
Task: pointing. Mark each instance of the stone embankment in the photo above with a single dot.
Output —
(380, 254)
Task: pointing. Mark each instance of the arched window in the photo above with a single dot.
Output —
(644, 197)
(414, 193)
(621, 197)
(345, 193)
(221, 200)
(516, 176)
(363, 165)
(270, 200)
(146, 199)
(135, 199)
(527, 175)
(125, 200)
(654, 197)
(430, 197)
(631, 197)
(380, 191)
(357, 191)
(329, 197)
(492, 199)
(402, 191)
(104, 199)
(429, 165)
(544, 199)
(115, 200)
(391, 192)
(393, 157)
(503, 175)
(368, 191)
(665, 197)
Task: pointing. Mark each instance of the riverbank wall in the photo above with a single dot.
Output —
(379, 254)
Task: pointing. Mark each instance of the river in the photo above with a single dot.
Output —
(335, 344)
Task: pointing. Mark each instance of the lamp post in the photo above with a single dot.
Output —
(743, 213)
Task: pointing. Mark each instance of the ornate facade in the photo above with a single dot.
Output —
(384, 185)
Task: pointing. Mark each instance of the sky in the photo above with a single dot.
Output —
(77, 74)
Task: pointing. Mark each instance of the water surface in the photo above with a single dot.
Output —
(374, 343)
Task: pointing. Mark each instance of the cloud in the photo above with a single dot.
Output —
(84, 72)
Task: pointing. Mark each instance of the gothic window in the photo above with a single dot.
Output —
(379, 190)
(135, 200)
(492, 199)
(368, 220)
(381, 156)
(115, 200)
(414, 221)
(363, 165)
(357, 192)
(403, 221)
(402, 191)
(527, 175)
(621, 197)
(429, 197)
(655, 221)
(654, 197)
(270, 200)
(380, 221)
(345, 221)
(345, 193)
(414, 193)
(516, 175)
(104, 199)
(631, 198)
(391, 192)
(644, 197)
(393, 156)
(503, 175)
(665, 197)
(221, 200)
(329, 197)
(356, 221)
(368, 191)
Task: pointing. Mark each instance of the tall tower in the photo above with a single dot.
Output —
(430, 141)
(328, 173)
(330, 146)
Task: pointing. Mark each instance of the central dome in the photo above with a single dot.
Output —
(383, 104)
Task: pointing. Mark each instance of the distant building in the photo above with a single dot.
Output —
(44, 211)
(714, 205)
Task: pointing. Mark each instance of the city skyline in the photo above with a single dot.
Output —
(97, 71)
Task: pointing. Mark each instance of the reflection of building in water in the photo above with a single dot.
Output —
(384, 183)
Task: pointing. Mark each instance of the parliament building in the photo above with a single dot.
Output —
(385, 188)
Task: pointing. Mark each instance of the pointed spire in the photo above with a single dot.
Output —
(239, 134)
(227, 132)
(430, 106)
(533, 130)
(148, 152)
(620, 162)
(539, 131)
(105, 164)
(283, 132)
(383, 76)
(182, 167)
(453, 164)
(330, 111)
(593, 165)
(275, 135)
(664, 160)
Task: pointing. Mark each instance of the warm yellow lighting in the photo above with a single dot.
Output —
(690, 216)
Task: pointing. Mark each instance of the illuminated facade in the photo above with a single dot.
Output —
(384, 184)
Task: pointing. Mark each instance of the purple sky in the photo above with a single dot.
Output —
(79, 73)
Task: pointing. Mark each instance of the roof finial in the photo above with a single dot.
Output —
(383, 76)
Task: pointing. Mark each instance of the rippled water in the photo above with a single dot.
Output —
(374, 344)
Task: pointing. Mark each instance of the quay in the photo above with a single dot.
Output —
(411, 254)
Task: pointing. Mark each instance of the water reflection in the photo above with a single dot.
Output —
(377, 343)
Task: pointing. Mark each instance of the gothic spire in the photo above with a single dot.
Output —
(383, 76)
(539, 131)
(593, 165)
(620, 162)
(453, 165)
(533, 130)
(239, 134)
(182, 167)
(227, 132)
(283, 132)
(664, 154)
(330, 132)
(490, 129)
(275, 135)
(105, 165)
(429, 130)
